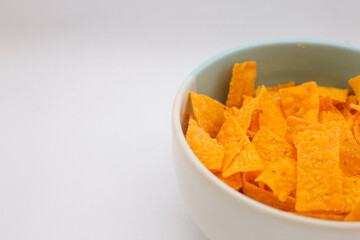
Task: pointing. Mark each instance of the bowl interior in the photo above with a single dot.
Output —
(328, 64)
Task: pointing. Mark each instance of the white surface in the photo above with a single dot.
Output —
(86, 89)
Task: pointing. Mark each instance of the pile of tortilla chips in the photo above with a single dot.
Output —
(292, 147)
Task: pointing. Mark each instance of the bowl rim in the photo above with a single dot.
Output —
(241, 198)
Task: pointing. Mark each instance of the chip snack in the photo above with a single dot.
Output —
(355, 84)
(209, 113)
(300, 101)
(336, 94)
(291, 147)
(319, 180)
(209, 152)
(242, 83)
(270, 113)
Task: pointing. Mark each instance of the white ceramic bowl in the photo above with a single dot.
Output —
(221, 212)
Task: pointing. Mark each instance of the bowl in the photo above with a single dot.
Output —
(220, 211)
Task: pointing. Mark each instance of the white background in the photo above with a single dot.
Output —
(86, 90)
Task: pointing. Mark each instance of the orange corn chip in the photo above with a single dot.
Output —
(349, 151)
(324, 216)
(250, 176)
(301, 101)
(336, 94)
(208, 112)
(355, 84)
(208, 151)
(328, 112)
(351, 99)
(246, 161)
(274, 91)
(254, 124)
(231, 111)
(271, 115)
(354, 215)
(319, 183)
(267, 197)
(355, 107)
(345, 111)
(351, 191)
(280, 176)
(234, 181)
(279, 159)
(295, 125)
(281, 86)
(230, 136)
(242, 83)
(271, 147)
(246, 111)
(356, 129)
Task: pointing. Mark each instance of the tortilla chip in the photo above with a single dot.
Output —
(254, 124)
(301, 101)
(351, 191)
(272, 147)
(355, 107)
(295, 125)
(271, 115)
(234, 181)
(349, 151)
(281, 86)
(247, 159)
(355, 84)
(336, 94)
(231, 111)
(246, 111)
(209, 113)
(242, 83)
(356, 130)
(207, 150)
(328, 112)
(229, 136)
(354, 215)
(343, 108)
(280, 176)
(274, 91)
(319, 182)
(324, 216)
(268, 198)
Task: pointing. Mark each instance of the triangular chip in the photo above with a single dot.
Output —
(336, 94)
(295, 125)
(242, 83)
(272, 147)
(246, 111)
(328, 112)
(246, 161)
(349, 151)
(342, 107)
(274, 91)
(351, 191)
(267, 197)
(279, 159)
(208, 112)
(234, 181)
(319, 181)
(271, 115)
(229, 136)
(354, 215)
(208, 151)
(355, 107)
(301, 101)
(355, 84)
